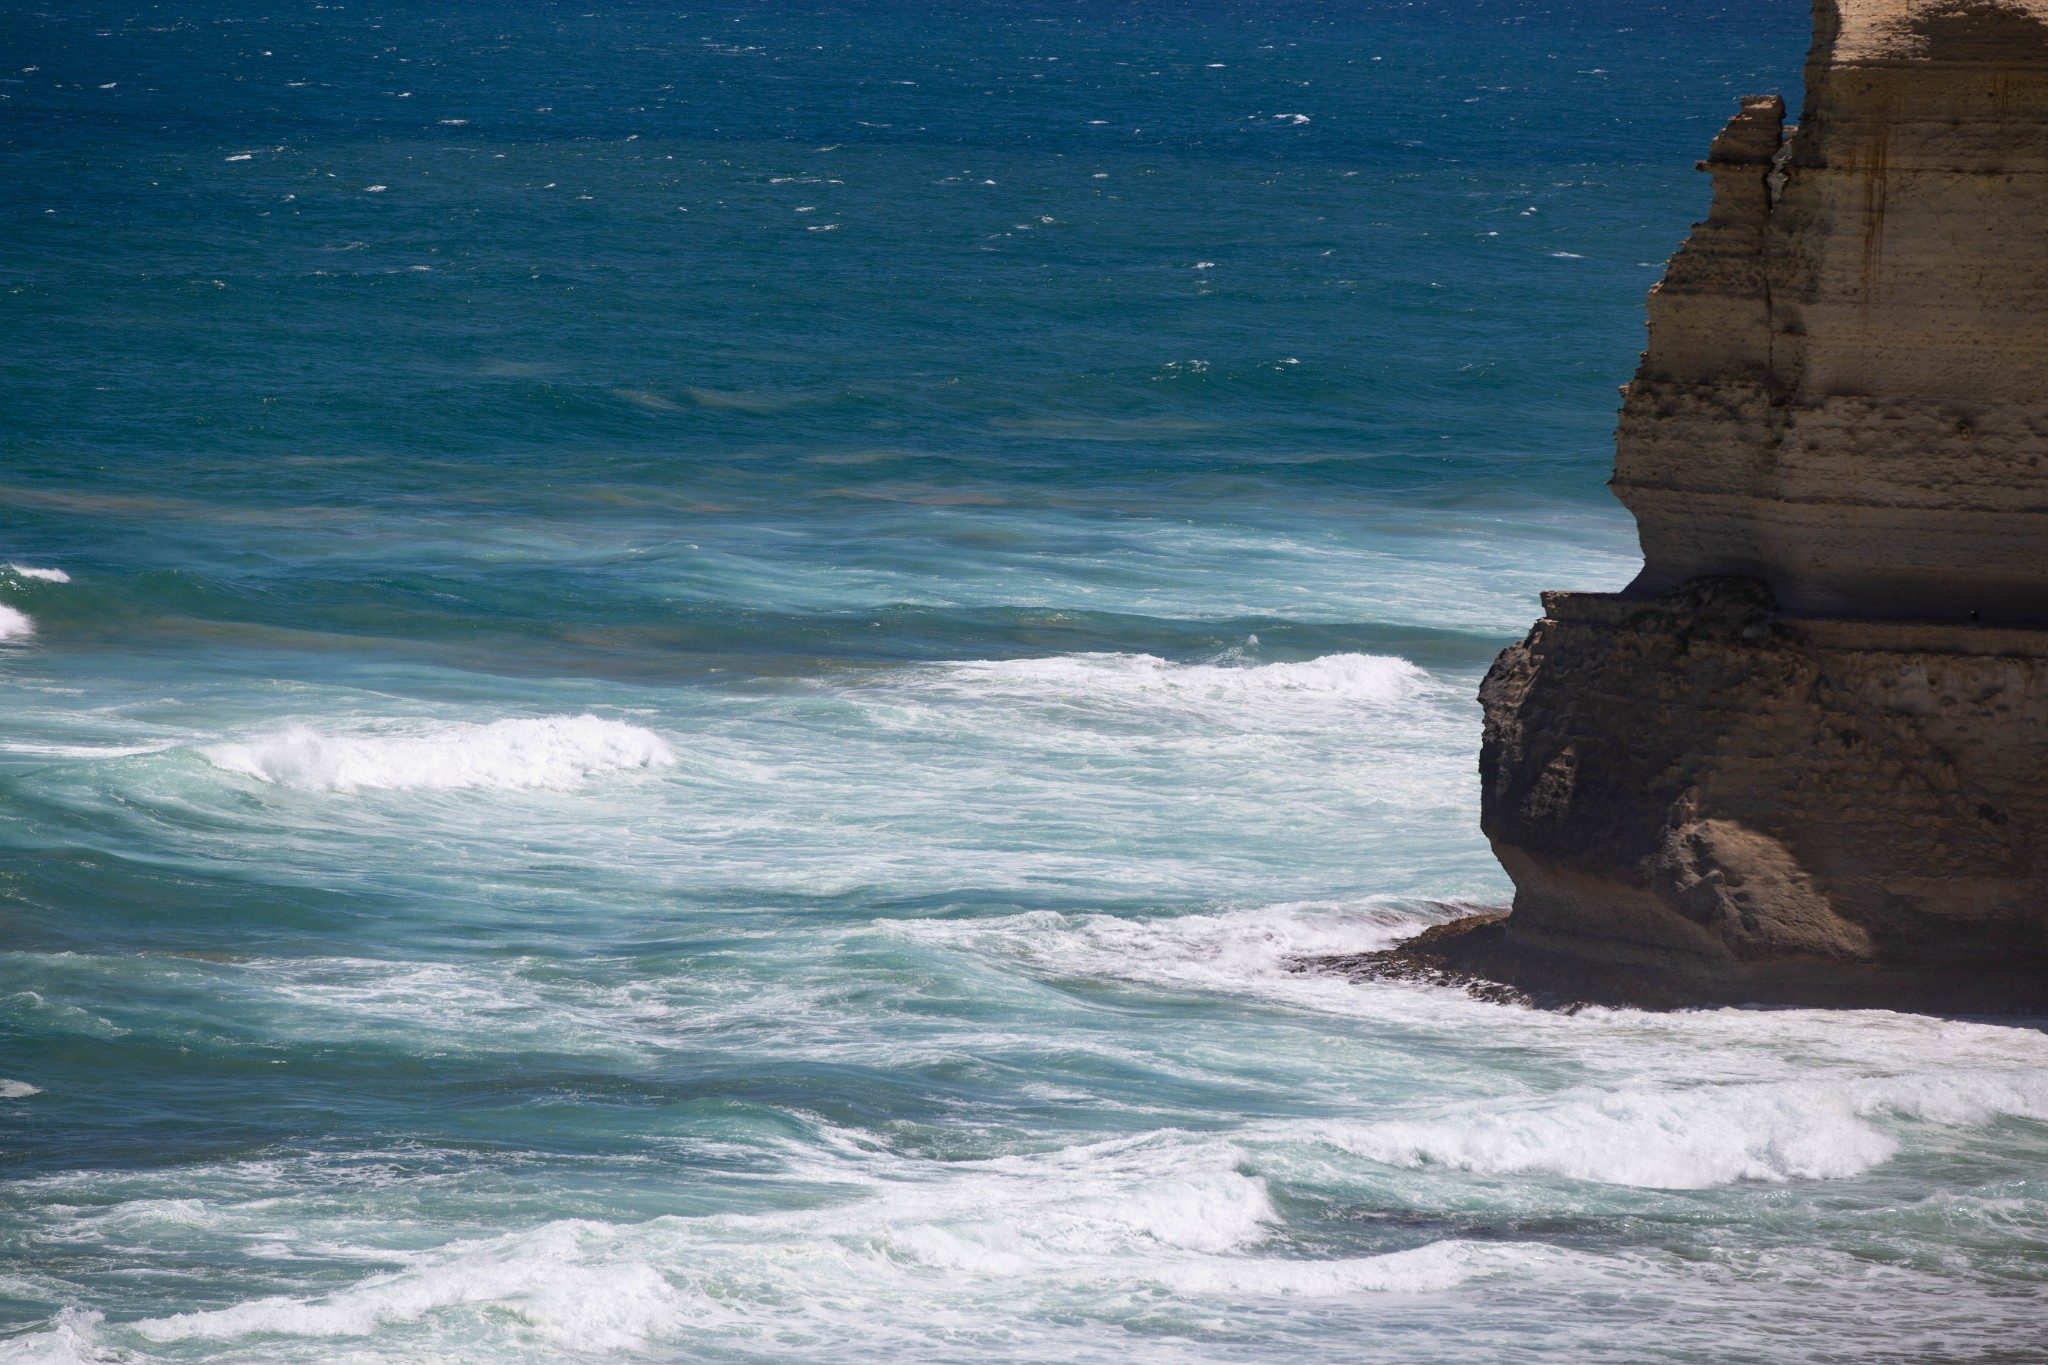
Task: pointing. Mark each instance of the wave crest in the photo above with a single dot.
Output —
(1698, 1138)
(555, 753)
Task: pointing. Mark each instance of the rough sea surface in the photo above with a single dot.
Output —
(676, 681)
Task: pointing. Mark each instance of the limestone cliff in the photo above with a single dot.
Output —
(1802, 757)
(1844, 391)
(1846, 388)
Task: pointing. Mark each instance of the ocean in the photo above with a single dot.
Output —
(680, 681)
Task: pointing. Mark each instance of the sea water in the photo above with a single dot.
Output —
(678, 681)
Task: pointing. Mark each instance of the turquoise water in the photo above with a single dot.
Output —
(678, 682)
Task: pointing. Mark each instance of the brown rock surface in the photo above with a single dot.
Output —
(1844, 389)
(1802, 758)
(1702, 799)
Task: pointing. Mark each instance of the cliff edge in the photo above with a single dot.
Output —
(1801, 758)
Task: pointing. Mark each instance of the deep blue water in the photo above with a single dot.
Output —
(677, 682)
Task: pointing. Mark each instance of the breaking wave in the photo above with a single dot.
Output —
(1098, 1229)
(551, 752)
(1700, 1137)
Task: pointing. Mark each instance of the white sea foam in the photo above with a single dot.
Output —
(1110, 1230)
(1688, 1139)
(1429, 1269)
(1233, 695)
(452, 1007)
(86, 750)
(73, 1338)
(1696, 1100)
(15, 625)
(553, 752)
(1108, 1208)
(49, 575)
(57, 1015)
(1695, 1138)
(1233, 951)
(18, 1090)
(1257, 952)
(559, 1279)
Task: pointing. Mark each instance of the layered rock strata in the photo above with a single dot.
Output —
(1801, 758)
(1846, 387)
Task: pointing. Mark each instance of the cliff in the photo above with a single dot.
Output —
(1801, 758)
(1845, 393)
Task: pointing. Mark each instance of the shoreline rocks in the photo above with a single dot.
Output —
(1700, 799)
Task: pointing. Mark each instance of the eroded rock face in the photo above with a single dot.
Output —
(1801, 758)
(1699, 798)
(1843, 392)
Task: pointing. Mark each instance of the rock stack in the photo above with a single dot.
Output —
(1803, 758)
